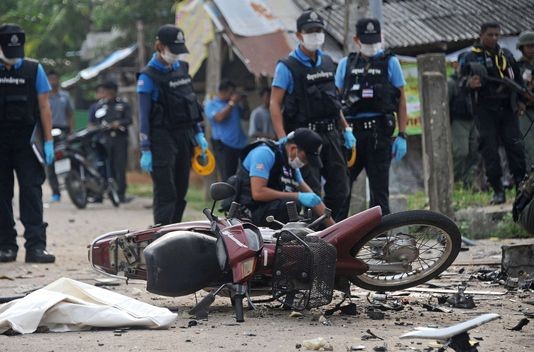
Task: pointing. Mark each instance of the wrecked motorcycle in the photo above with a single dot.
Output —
(296, 265)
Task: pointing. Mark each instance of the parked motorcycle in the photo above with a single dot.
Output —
(83, 160)
(296, 265)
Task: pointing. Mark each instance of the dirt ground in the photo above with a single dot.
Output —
(267, 329)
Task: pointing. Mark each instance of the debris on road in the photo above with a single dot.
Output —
(317, 344)
(371, 335)
(520, 325)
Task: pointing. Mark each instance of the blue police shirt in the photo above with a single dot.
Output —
(260, 161)
(228, 131)
(395, 76)
(145, 85)
(41, 81)
(282, 75)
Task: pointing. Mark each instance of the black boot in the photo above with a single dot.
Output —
(498, 198)
(39, 256)
(8, 255)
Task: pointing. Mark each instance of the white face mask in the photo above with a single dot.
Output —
(169, 57)
(10, 62)
(313, 41)
(370, 49)
(296, 163)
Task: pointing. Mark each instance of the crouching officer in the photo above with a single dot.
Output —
(269, 176)
(170, 118)
(371, 83)
(116, 114)
(23, 103)
(303, 85)
(523, 209)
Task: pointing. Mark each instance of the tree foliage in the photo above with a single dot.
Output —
(55, 28)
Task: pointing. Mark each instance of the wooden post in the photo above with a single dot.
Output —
(437, 155)
(213, 77)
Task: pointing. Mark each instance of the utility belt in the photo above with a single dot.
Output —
(383, 123)
(321, 126)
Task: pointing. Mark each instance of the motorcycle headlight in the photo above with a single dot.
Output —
(222, 255)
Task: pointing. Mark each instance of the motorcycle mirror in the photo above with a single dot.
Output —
(221, 190)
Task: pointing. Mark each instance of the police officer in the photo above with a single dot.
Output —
(463, 130)
(303, 86)
(23, 102)
(525, 43)
(371, 83)
(494, 112)
(269, 175)
(116, 114)
(170, 118)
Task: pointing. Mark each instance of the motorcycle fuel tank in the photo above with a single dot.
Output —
(181, 263)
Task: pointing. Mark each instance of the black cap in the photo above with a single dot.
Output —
(309, 19)
(109, 85)
(368, 30)
(310, 142)
(12, 40)
(173, 37)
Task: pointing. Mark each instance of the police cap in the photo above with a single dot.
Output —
(368, 30)
(309, 19)
(310, 142)
(12, 40)
(525, 38)
(172, 37)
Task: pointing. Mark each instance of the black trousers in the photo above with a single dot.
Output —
(118, 154)
(335, 173)
(227, 159)
(17, 157)
(171, 162)
(276, 208)
(373, 152)
(500, 123)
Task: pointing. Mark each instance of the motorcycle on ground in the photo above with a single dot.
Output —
(296, 265)
(83, 160)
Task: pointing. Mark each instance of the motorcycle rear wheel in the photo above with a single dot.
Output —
(76, 189)
(429, 242)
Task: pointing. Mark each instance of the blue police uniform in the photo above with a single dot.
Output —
(169, 124)
(17, 122)
(317, 108)
(370, 90)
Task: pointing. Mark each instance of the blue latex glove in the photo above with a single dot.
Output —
(146, 161)
(399, 148)
(49, 152)
(309, 199)
(350, 140)
(201, 141)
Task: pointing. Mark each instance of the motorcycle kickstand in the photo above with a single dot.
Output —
(201, 309)
(251, 305)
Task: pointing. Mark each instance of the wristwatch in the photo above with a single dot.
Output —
(403, 135)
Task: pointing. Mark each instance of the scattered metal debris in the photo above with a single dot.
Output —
(370, 336)
(295, 314)
(520, 325)
(517, 259)
(375, 314)
(461, 299)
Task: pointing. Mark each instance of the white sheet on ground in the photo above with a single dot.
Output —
(70, 305)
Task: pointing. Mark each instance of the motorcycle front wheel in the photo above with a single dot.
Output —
(76, 189)
(406, 249)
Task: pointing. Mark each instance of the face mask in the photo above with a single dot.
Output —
(169, 57)
(296, 163)
(313, 41)
(10, 62)
(370, 49)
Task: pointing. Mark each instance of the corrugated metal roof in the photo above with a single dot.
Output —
(410, 23)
